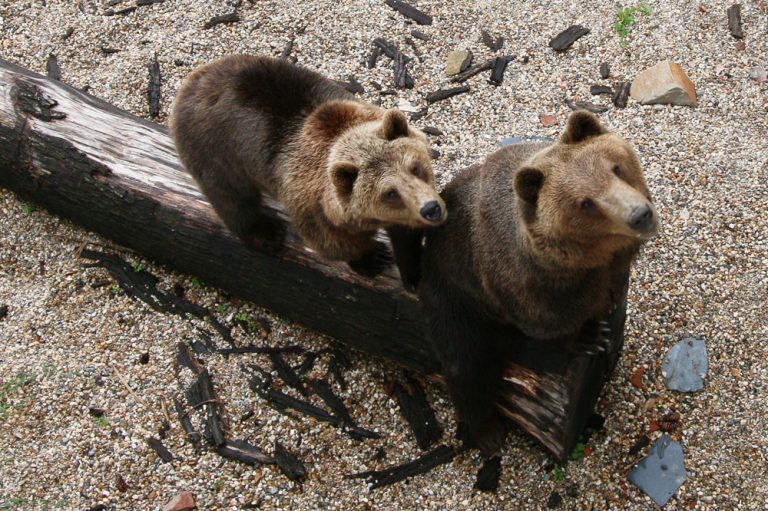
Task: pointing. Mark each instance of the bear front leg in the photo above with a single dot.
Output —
(243, 214)
(374, 260)
(472, 366)
(406, 244)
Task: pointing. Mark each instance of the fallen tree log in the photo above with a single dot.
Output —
(118, 175)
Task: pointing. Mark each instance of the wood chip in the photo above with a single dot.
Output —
(402, 78)
(431, 130)
(287, 49)
(488, 475)
(231, 17)
(3, 311)
(264, 350)
(567, 37)
(596, 90)
(373, 57)
(474, 70)
(201, 393)
(52, 68)
(621, 96)
(160, 449)
(420, 114)
(153, 89)
(586, 105)
(419, 35)
(490, 42)
(637, 378)
(141, 3)
(734, 21)
(409, 11)
(289, 464)
(440, 95)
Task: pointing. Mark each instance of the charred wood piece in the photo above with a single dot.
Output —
(621, 96)
(440, 95)
(153, 89)
(439, 456)
(402, 78)
(201, 393)
(186, 423)
(140, 3)
(263, 350)
(389, 49)
(417, 412)
(605, 70)
(287, 374)
(474, 70)
(567, 37)
(160, 449)
(596, 90)
(231, 17)
(52, 68)
(289, 464)
(497, 72)
(373, 57)
(410, 11)
(490, 42)
(586, 105)
(241, 450)
(419, 35)
(734, 21)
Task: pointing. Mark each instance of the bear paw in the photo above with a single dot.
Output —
(374, 261)
(592, 340)
(487, 436)
(266, 236)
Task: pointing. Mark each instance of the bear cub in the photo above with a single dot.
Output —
(341, 168)
(540, 236)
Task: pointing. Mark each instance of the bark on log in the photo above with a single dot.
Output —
(118, 175)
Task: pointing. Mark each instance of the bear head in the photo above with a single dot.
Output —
(381, 171)
(584, 198)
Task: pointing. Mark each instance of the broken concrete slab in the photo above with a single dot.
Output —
(662, 472)
(665, 83)
(685, 366)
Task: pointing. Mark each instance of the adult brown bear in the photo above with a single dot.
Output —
(539, 236)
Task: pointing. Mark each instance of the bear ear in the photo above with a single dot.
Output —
(394, 125)
(528, 181)
(582, 125)
(343, 177)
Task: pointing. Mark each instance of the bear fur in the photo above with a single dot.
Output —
(540, 236)
(341, 168)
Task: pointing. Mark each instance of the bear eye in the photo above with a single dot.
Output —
(617, 170)
(391, 195)
(587, 204)
(416, 170)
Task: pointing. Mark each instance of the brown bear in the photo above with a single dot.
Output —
(539, 236)
(340, 167)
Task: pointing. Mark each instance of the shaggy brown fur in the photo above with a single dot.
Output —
(539, 236)
(341, 168)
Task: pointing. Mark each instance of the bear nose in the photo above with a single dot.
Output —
(431, 211)
(641, 219)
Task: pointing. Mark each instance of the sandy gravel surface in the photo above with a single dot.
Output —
(72, 341)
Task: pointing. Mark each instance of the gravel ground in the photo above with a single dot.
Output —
(72, 341)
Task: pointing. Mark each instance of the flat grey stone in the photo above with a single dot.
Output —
(523, 140)
(686, 365)
(662, 472)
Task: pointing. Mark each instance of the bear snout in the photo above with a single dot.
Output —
(642, 219)
(431, 211)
